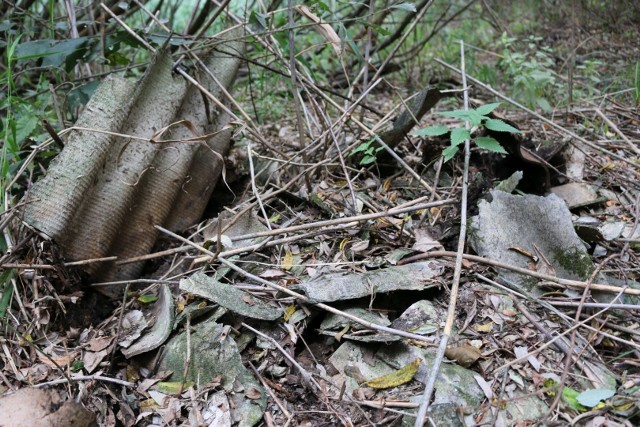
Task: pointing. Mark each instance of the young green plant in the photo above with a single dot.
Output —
(369, 150)
(478, 118)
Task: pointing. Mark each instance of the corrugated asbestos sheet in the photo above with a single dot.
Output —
(103, 194)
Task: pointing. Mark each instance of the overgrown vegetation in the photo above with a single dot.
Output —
(319, 80)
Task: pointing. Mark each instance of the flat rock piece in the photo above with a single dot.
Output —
(539, 225)
(577, 195)
(344, 286)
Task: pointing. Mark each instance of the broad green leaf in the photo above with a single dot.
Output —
(26, 123)
(362, 147)
(500, 126)
(257, 21)
(449, 152)
(55, 53)
(459, 135)
(12, 48)
(591, 398)
(366, 160)
(80, 95)
(458, 114)
(436, 130)
(320, 5)
(475, 118)
(488, 143)
(544, 104)
(486, 109)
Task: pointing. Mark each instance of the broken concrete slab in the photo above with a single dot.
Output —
(115, 178)
(344, 286)
(229, 297)
(577, 195)
(533, 224)
(214, 354)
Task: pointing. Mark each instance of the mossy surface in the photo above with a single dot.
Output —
(575, 261)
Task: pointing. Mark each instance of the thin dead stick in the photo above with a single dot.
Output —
(66, 264)
(308, 379)
(134, 281)
(551, 279)
(127, 29)
(90, 261)
(306, 376)
(344, 111)
(297, 103)
(568, 360)
(254, 188)
(540, 117)
(557, 303)
(618, 131)
(400, 43)
(29, 266)
(298, 296)
(268, 244)
(551, 307)
(455, 286)
(267, 387)
(153, 255)
(550, 342)
(372, 134)
(87, 378)
(334, 138)
(345, 220)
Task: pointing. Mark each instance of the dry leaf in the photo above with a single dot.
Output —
(424, 241)
(287, 261)
(465, 355)
(396, 378)
(487, 327)
(253, 394)
(325, 30)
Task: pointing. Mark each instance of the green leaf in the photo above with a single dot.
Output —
(320, 5)
(459, 135)
(77, 365)
(6, 287)
(449, 152)
(410, 7)
(544, 104)
(486, 109)
(500, 126)
(55, 53)
(591, 398)
(147, 298)
(80, 95)
(570, 396)
(26, 124)
(366, 160)
(436, 130)
(458, 114)
(475, 118)
(257, 21)
(362, 147)
(488, 143)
